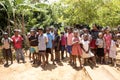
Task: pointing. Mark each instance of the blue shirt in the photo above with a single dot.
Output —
(50, 39)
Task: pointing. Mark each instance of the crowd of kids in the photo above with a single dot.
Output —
(95, 46)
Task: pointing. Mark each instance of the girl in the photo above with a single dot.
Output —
(100, 47)
(107, 38)
(94, 35)
(76, 49)
(86, 49)
(113, 51)
(63, 44)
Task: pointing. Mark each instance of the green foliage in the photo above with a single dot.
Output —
(64, 12)
(103, 12)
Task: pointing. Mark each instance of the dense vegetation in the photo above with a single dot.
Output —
(33, 13)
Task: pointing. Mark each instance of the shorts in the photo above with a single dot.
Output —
(69, 49)
(49, 50)
(7, 53)
(100, 52)
(57, 49)
(42, 51)
(63, 48)
(33, 49)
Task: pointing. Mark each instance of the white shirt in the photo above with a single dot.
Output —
(42, 39)
(85, 44)
(6, 43)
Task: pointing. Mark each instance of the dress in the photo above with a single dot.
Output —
(112, 52)
(86, 47)
(107, 38)
(76, 49)
(94, 34)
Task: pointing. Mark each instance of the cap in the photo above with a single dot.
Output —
(32, 30)
(85, 29)
(16, 30)
(5, 33)
(40, 29)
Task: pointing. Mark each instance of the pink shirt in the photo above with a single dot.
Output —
(17, 41)
(69, 39)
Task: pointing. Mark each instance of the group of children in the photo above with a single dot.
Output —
(95, 46)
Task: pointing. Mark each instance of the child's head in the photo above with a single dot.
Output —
(107, 30)
(85, 36)
(75, 33)
(5, 35)
(100, 35)
(62, 33)
(32, 32)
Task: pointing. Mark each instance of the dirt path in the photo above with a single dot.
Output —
(61, 71)
(25, 71)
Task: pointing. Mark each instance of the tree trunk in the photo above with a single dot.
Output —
(24, 34)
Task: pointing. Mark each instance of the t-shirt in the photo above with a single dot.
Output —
(69, 39)
(63, 40)
(42, 42)
(50, 40)
(17, 41)
(100, 43)
(6, 43)
(33, 40)
(85, 44)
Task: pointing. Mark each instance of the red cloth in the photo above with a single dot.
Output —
(76, 49)
(63, 40)
(107, 38)
(93, 44)
(17, 41)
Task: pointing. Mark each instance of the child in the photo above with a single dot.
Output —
(100, 47)
(76, 49)
(33, 39)
(63, 44)
(69, 43)
(57, 46)
(6, 41)
(49, 46)
(86, 49)
(107, 38)
(42, 40)
(113, 51)
(17, 43)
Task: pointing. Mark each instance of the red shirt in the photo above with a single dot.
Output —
(63, 40)
(17, 41)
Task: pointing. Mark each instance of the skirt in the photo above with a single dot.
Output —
(112, 54)
(76, 50)
(87, 55)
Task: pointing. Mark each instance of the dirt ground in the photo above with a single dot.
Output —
(27, 71)
(61, 71)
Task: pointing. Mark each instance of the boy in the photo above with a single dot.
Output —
(6, 41)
